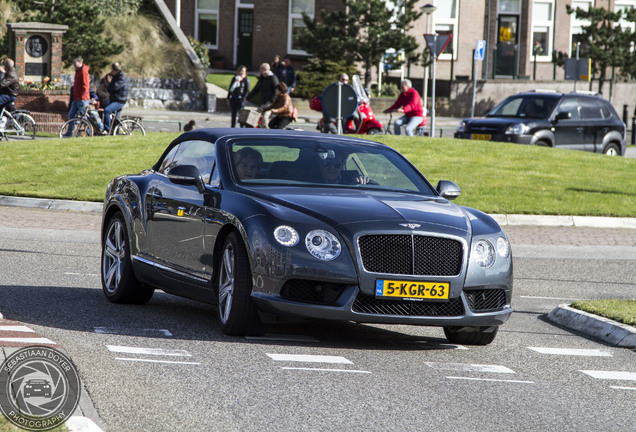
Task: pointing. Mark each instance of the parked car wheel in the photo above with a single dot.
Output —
(237, 312)
(118, 280)
(612, 150)
(471, 335)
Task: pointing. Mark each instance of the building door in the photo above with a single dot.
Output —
(507, 43)
(245, 36)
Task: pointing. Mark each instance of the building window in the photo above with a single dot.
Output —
(296, 26)
(576, 27)
(509, 6)
(542, 29)
(625, 6)
(207, 22)
(446, 18)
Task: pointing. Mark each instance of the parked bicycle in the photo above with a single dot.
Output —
(85, 126)
(16, 124)
(419, 131)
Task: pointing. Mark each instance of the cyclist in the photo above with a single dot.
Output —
(118, 91)
(410, 104)
(9, 84)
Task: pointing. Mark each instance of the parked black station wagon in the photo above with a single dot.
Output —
(567, 120)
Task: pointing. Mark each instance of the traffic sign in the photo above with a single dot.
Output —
(437, 43)
(348, 100)
(480, 47)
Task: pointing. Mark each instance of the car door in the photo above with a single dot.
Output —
(595, 125)
(569, 133)
(176, 213)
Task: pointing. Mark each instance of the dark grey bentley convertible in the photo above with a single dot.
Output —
(312, 225)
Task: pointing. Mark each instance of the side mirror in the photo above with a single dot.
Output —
(187, 175)
(448, 189)
(563, 115)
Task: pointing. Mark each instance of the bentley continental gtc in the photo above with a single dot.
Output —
(262, 222)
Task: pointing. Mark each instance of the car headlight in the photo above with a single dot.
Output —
(462, 126)
(518, 129)
(484, 253)
(286, 235)
(503, 247)
(323, 245)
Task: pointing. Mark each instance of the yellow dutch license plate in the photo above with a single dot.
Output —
(483, 137)
(412, 290)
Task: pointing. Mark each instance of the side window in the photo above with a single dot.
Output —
(590, 109)
(570, 105)
(167, 161)
(606, 111)
(197, 153)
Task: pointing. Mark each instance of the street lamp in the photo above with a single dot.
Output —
(428, 9)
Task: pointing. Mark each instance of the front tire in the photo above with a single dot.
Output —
(81, 128)
(374, 131)
(129, 127)
(237, 312)
(22, 127)
(612, 150)
(118, 280)
(471, 335)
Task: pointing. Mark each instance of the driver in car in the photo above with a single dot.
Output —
(331, 171)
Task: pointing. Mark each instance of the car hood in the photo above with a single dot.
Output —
(345, 207)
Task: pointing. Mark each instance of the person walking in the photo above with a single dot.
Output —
(288, 75)
(277, 67)
(9, 83)
(266, 85)
(81, 92)
(239, 88)
(118, 95)
(409, 103)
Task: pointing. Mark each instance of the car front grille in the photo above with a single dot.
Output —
(371, 305)
(313, 292)
(411, 255)
(488, 300)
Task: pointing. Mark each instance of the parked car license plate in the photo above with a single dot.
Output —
(412, 290)
(483, 137)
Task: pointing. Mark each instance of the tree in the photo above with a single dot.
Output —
(363, 32)
(85, 28)
(604, 41)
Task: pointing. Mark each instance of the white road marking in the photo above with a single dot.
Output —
(547, 298)
(469, 367)
(283, 337)
(148, 351)
(146, 331)
(17, 328)
(611, 375)
(155, 361)
(491, 380)
(29, 340)
(310, 358)
(80, 274)
(439, 345)
(623, 388)
(571, 352)
(327, 370)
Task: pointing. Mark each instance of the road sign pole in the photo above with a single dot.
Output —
(472, 106)
(339, 119)
(432, 133)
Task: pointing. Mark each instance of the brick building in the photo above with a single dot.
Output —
(253, 31)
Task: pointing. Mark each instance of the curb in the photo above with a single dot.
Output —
(612, 332)
(502, 219)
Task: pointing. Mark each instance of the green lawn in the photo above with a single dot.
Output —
(494, 177)
(623, 311)
(223, 79)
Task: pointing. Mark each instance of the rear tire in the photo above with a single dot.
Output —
(612, 150)
(118, 280)
(471, 335)
(237, 312)
(81, 128)
(21, 128)
(374, 131)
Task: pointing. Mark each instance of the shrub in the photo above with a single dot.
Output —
(318, 74)
(201, 50)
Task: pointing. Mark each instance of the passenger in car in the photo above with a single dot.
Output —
(247, 163)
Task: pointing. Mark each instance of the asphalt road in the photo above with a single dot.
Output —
(167, 366)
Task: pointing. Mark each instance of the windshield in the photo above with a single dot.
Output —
(525, 106)
(328, 163)
(357, 86)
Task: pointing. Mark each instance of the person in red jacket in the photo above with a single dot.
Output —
(409, 103)
(81, 91)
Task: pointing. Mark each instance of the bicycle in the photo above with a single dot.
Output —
(419, 131)
(16, 124)
(84, 126)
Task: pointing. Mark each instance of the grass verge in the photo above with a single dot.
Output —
(6, 426)
(223, 80)
(494, 177)
(622, 311)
